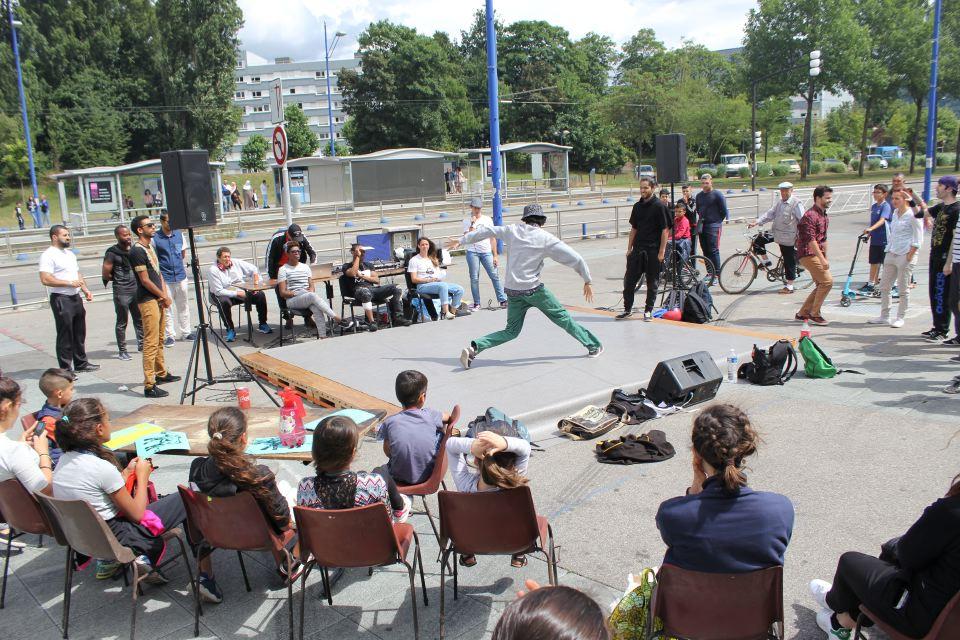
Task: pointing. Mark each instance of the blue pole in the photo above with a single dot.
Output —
(23, 102)
(932, 105)
(326, 56)
(493, 97)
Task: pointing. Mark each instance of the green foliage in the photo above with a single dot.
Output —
(844, 125)
(639, 50)
(764, 169)
(594, 145)
(895, 163)
(816, 167)
(301, 140)
(721, 171)
(84, 128)
(836, 167)
(253, 156)
(944, 159)
(744, 172)
(780, 170)
(342, 148)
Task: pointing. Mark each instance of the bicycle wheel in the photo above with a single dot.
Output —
(693, 270)
(737, 273)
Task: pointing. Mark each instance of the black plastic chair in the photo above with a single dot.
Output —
(287, 315)
(426, 299)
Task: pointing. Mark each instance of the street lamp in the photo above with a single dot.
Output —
(327, 50)
(562, 135)
(14, 23)
(815, 68)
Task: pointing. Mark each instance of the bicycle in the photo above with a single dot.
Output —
(739, 271)
(685, 272)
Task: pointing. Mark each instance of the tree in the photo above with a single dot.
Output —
(844, 125)
(594, 144)
(410, 93)
(594, 56)
(197, 51)
(638, 51)
(773, 119)
(301, 140)
(84, 128)
(253, 156)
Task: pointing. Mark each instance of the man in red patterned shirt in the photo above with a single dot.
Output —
(812, 252)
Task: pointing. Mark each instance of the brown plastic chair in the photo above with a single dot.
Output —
(356, 537)
(28, 421)
(491, 523)
(432, 484)
(23, 515)
(945, 627)
(86, 533)
(234, 523)
(718, 606)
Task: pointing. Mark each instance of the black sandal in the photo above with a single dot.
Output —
(518, 561)
(467, 560)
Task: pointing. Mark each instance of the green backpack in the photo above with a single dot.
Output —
(816, 364)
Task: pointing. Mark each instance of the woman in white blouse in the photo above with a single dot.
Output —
(428, 277)
(904, 237)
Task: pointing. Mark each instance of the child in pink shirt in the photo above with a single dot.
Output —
(681, 230)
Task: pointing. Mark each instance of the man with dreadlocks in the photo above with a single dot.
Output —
(527, 245)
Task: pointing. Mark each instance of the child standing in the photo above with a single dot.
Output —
(57, 386)
(228, 471)
(412, 437)
(681, 230)
(500, 462)
(88, 471)
(880, 212)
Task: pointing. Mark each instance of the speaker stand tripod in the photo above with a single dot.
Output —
(201, 348)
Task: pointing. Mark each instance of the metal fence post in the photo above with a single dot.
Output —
(559, 226)
(423, 206)
(616, 221)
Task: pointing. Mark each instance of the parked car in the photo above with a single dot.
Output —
(734, 162)
(879, 158)
(833, 161)
(706, 166)
(646, 171)
(791, 164)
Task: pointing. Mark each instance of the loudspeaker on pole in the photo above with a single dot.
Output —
(671, 158)
(189, 185)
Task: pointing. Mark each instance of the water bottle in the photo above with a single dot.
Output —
(805, 330)
(732, 361)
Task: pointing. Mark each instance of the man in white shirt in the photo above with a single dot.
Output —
(482, 253)
(784, 214)
(60, 272)
(225, 274)
(295, 285)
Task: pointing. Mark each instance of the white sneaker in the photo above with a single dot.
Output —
(880, 320)
(896, 324)
(819, 589)
(402, 515)
(823, 621)
(448, 316)
(467, 356)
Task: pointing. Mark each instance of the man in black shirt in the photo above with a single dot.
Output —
(117, 269)
(690, 204)
(362, 283)
(944, 215)
(153, 299)
(646, 248)
(277, 253)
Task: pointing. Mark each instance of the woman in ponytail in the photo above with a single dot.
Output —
(500, 462)
(721, 525)
(89, 471)
(227, 471)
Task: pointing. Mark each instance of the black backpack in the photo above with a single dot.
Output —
(776, 365)
(698, 305)
(633, 449)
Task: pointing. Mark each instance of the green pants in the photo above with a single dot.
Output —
(517, 307)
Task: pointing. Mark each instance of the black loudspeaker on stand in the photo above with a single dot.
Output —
(186, 177)
(686, 380)
(671, 158)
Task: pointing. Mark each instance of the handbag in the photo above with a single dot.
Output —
(588, 423)
(630, 617)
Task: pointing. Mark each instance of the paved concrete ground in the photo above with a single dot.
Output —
(859, 455)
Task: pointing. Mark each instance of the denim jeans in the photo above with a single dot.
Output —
(449, 292)
(474, 260)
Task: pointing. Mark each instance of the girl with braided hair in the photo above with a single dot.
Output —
(89, 471)
(228, 471)
(721, 525)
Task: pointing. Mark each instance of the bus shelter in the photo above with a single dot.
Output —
(549, 167)
(117, 194)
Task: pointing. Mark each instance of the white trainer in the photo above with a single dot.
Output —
(823, 621)
(896, 324)
(819, 589)
(467, 356)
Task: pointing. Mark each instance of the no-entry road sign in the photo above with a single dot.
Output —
(280, 145)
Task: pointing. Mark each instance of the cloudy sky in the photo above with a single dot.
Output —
(295, 27)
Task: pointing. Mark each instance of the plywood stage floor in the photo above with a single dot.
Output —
(538, 378)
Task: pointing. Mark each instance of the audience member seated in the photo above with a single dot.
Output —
(225, 274)
(363, 284)
(412, 437)
(296, 287)
(552, 613)
(722, 525)
(26, 458)
(227, 471)
(57, 387)
(501, 463)
(908, 585)
(428, 277)
(89, 471)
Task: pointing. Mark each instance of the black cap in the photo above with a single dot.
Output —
(293, 231)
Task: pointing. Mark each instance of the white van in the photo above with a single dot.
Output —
(734, 162)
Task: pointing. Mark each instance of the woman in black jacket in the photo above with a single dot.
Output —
(910, 583)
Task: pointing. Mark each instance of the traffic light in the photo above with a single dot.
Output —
(815, 63)
(757, 140)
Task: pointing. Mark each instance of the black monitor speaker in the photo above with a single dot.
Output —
(689, 379)
(189, 196)
(671, 158)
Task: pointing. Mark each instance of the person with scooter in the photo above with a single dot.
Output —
(880, 212)
(904, 237)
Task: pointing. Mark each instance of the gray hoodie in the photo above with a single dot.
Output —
(527, 246)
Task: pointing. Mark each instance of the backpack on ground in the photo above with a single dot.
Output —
(633, 449)
(698, 304)
(631, 408)
(588, 423)
(776, 365)
(498, 422)
(816, 363)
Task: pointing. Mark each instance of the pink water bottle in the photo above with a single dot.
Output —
(291, 431)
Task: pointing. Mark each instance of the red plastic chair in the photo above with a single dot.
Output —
(357, 537)
(234, 523)
(432, 484)
(945, 627)
(718, 606)
(22, 514)
(491, 523)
